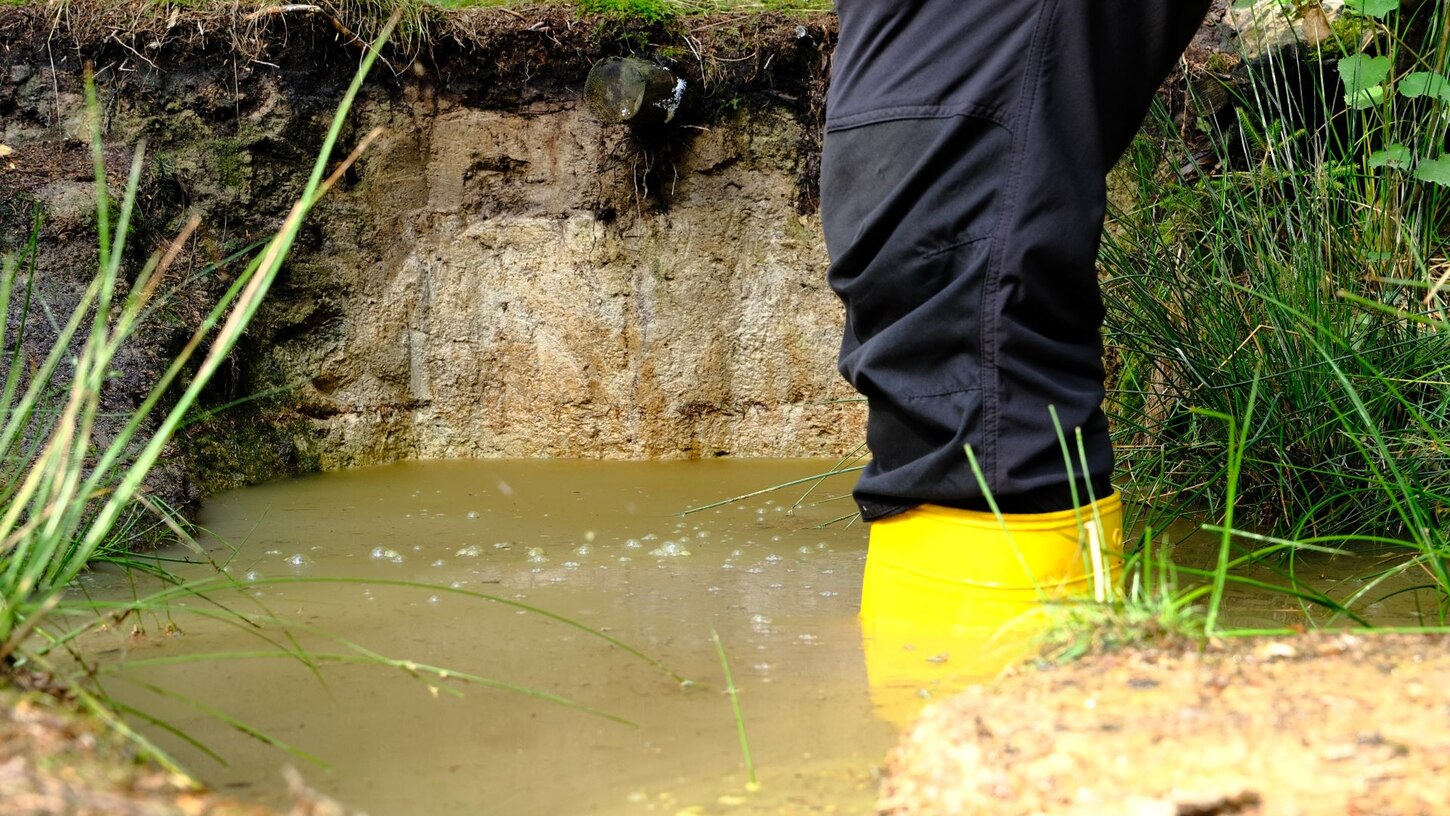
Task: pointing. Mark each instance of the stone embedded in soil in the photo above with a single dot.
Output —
(1332, 724)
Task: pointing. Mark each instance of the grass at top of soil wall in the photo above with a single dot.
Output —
(647, 9)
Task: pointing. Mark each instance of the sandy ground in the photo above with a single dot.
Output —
(1327, 724)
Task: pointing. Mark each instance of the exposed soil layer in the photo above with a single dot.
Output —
(500, 276)
(1331, 724)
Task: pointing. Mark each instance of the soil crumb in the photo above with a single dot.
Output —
(55, 762)
(1323, 724)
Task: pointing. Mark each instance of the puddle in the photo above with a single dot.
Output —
(597, 542)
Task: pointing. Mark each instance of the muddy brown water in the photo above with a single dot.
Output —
(600, 543)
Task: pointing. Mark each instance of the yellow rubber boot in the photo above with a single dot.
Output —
(952, 597)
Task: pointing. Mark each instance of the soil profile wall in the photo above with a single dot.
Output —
(499, 276)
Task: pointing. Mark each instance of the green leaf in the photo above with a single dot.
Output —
(1371, 8)
(1396, 156)
(1364, 78)
(1435, 171)
(1366, 98)
(1425, 83)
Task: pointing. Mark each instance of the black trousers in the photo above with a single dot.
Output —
(962, 193)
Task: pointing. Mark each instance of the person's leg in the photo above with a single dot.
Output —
(962, 197)
(963, 192)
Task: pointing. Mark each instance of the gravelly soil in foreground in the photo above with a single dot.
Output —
(1327, 724)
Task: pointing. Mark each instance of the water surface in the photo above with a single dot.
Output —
(600, 543)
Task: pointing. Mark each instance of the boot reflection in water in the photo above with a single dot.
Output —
(952, 597)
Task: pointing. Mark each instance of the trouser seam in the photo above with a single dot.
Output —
(1020, 130)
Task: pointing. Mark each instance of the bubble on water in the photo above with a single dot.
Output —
(806, 637)
(775, 538)
(763, 620)
(571, 565)
(772, 558)
(432, 599)
(473, 514)
(386, 554)
(727, 565)
(755, 570)
(828, 572)
(760, 511)
(274, 552)
(457, 584)
(804, 550)
(298, 560)
(252, 575)
(501, 545)
(589, 536)
(407, 515)
(417, 548)
(776, 586)
(624, 559)
(471, 551)
(827, 593)
(633, 544)
(505, 488)
(712, 589)
(703, 534)
(649, 537)
(438, 563)
(820, 545)
(762, 667)
(735, 553)
(583, 549)
(669, 549)
(536, 555)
